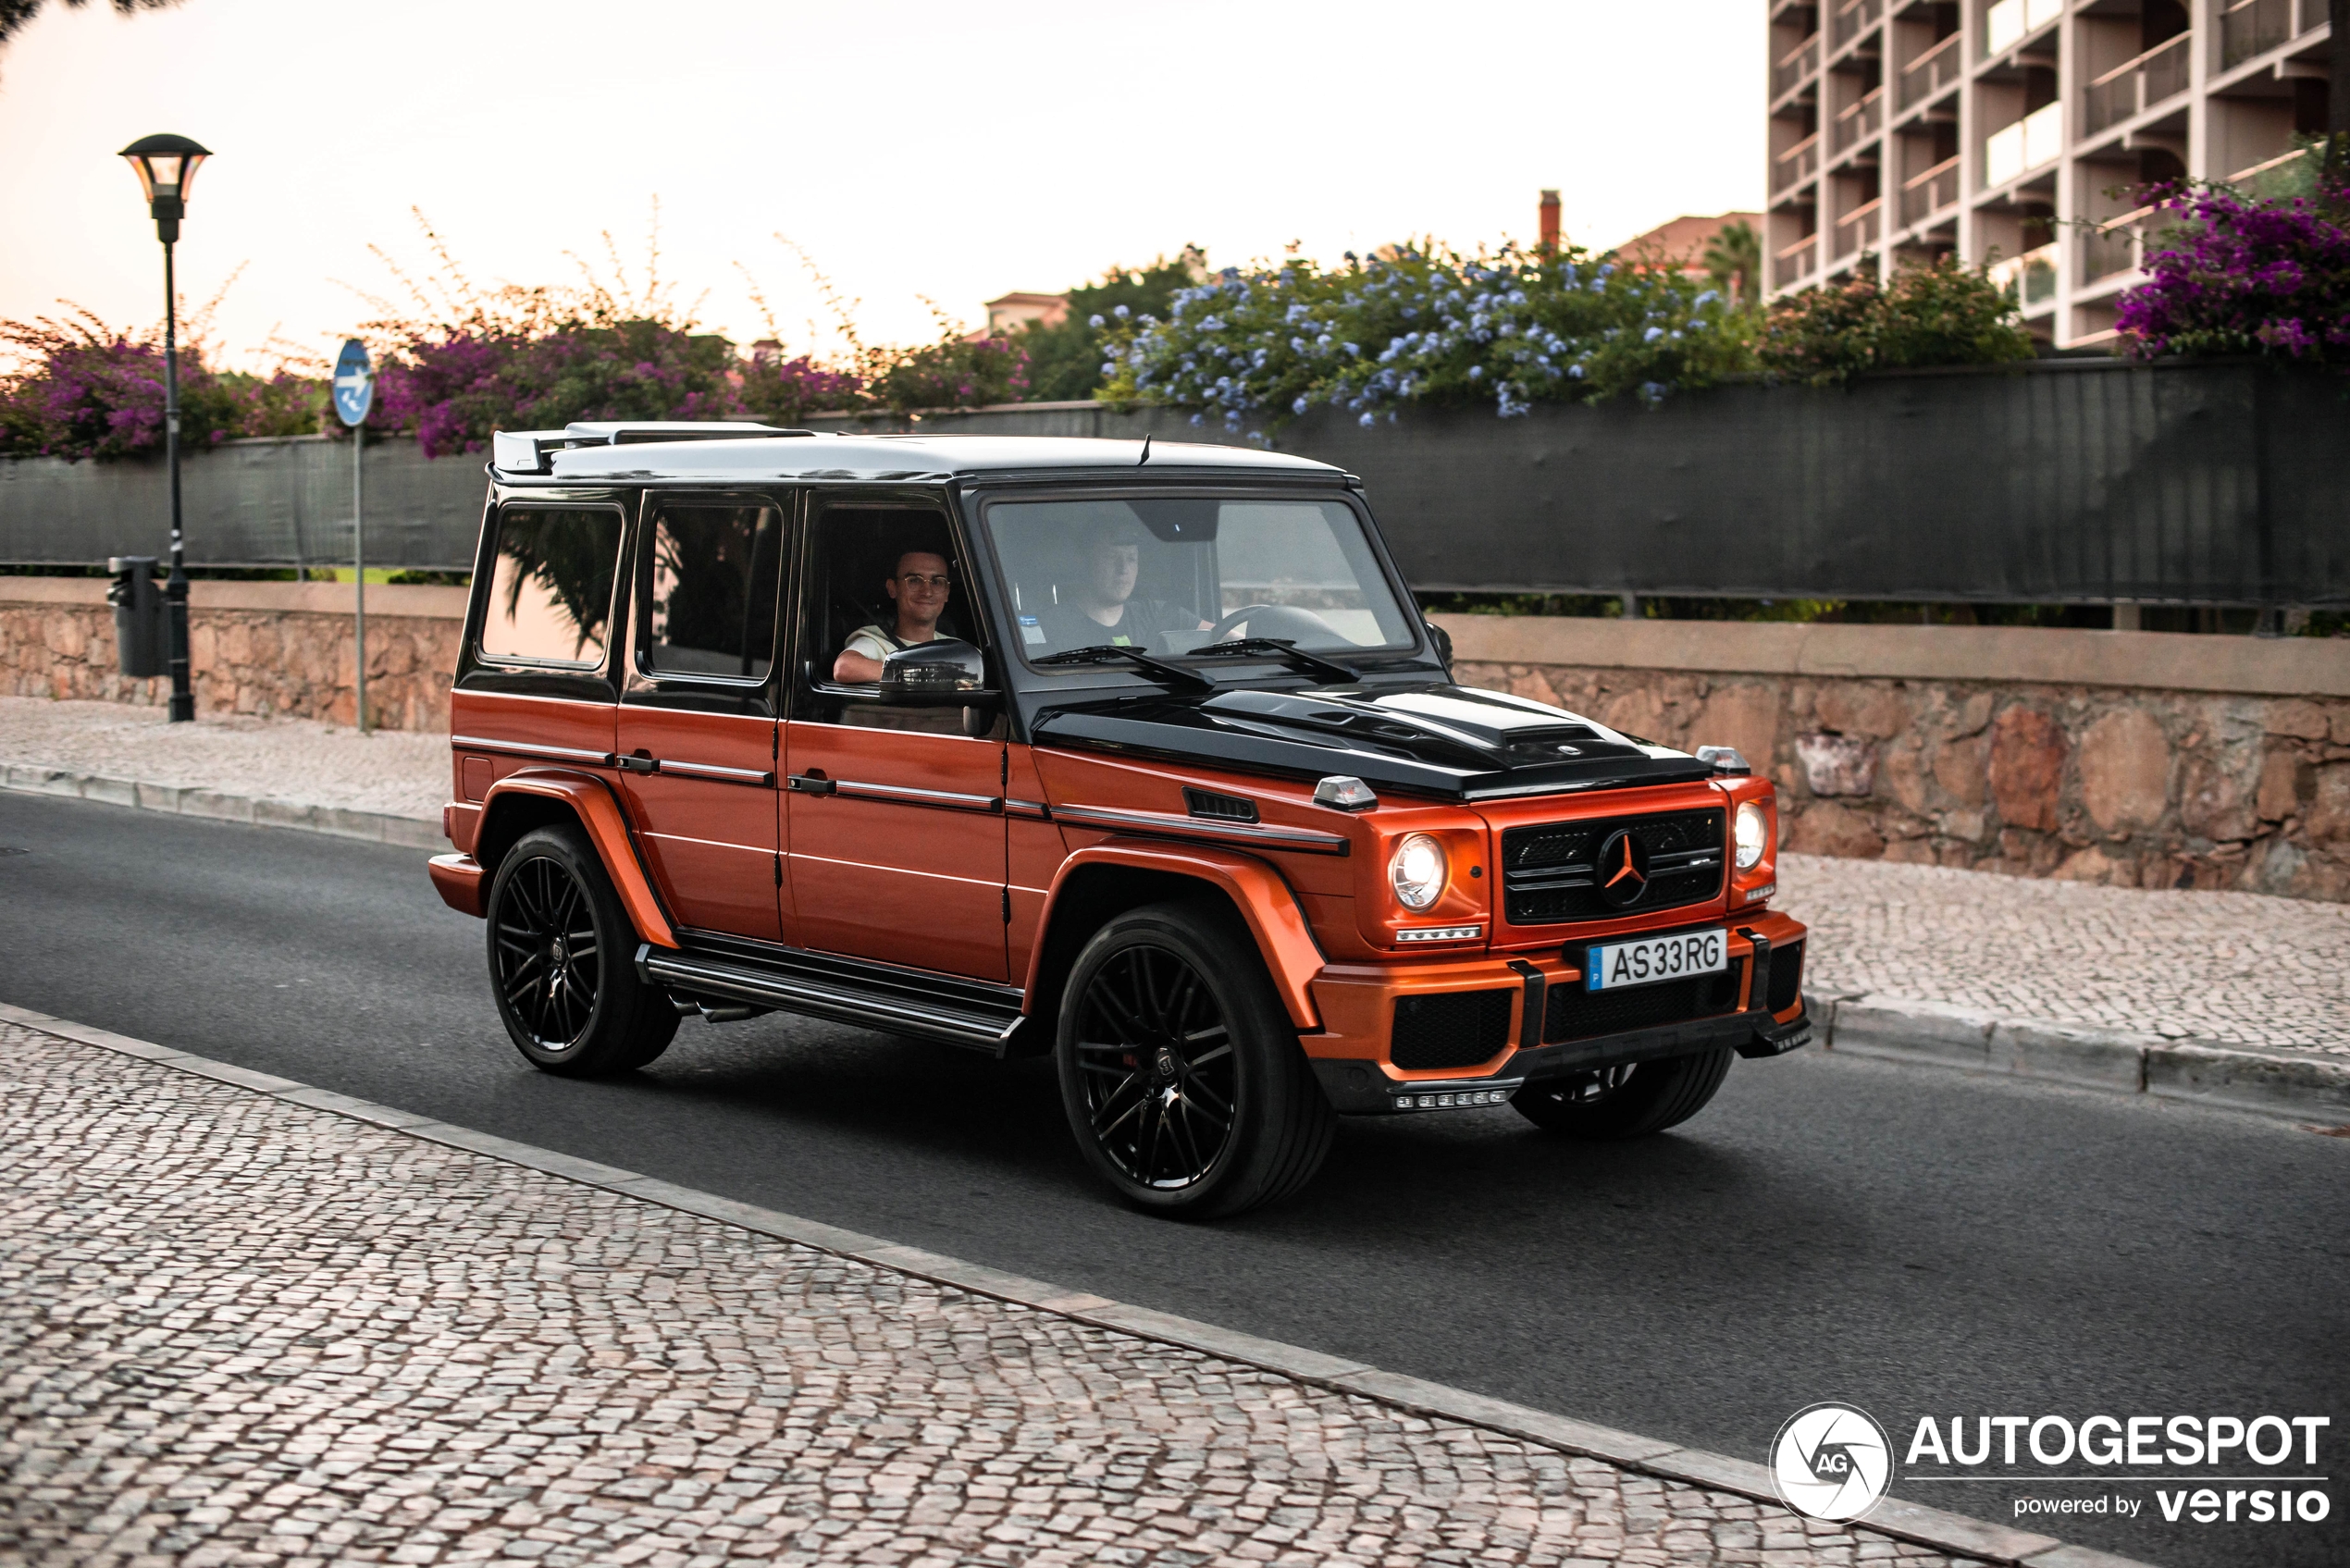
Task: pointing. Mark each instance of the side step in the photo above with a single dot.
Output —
(882, 996)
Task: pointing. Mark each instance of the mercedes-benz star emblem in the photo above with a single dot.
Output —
(1624, 870)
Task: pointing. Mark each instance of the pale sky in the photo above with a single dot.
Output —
(951, 151)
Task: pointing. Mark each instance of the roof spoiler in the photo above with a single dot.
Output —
(530, 451)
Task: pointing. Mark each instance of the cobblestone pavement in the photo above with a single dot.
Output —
(234, 1330)
(394, 771)
(2235, 968)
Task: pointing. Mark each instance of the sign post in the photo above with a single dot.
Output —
(354, 394)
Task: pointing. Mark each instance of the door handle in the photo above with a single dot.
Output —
(639, 763)
(813, 783)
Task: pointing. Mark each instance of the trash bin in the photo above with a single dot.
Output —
(142, 626)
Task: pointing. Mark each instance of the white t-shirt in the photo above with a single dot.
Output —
(875, 642)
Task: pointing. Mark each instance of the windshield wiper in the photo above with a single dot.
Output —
(1102, 652)
(1281, 649)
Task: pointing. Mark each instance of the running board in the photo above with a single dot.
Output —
(881, 997)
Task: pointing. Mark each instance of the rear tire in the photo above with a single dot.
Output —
(1627, 1102)
(562, 962)
(1180, 1070)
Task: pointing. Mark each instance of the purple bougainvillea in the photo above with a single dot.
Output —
(95, 393)
(2233, 274)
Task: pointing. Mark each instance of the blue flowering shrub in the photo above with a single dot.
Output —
(1252, 348)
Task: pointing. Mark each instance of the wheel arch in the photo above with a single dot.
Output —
(1098, 883)
(535, 797)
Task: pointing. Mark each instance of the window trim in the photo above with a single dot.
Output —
(603, 661)
(639, 573)
(805, 678)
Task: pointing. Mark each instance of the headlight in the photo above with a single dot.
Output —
(1416, 870)
(1755, 834)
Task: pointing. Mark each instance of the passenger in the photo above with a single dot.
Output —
(919, 585)
(1101, 607)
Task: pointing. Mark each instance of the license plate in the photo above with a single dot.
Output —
(1616, 965)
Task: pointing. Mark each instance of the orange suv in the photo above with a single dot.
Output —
(1139, 757)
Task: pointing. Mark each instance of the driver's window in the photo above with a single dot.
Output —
(882, 577)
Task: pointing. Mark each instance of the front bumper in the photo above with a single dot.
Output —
(1355, 1063)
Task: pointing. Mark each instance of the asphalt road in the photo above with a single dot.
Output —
(1915, 1241)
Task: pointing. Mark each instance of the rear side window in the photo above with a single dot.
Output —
(708, 590)
(550, 586)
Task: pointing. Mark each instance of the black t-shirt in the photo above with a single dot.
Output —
(1141, 622)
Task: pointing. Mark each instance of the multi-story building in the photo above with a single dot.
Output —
(2016, 133)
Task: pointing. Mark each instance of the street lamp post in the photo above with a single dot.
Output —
(165, 166)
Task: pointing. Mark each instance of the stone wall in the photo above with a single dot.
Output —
(1969, 747)
(264, 649)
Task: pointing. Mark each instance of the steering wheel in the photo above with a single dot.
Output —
(1278, 621)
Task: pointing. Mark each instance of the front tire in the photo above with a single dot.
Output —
(561, 962)
(1181, 1071)
(1632, 1101)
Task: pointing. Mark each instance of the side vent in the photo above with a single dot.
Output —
(1211, 807)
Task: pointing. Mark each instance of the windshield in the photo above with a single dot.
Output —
(1168, 575)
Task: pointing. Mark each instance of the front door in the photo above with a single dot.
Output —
(697, 737)
(894, 815)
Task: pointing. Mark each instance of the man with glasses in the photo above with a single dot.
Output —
(917, 586)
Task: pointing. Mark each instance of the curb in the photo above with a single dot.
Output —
(2197, 1072)
(1953, 1533)
(378, 827)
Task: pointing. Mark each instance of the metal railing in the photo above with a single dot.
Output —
(1794, 66)
(2035, 139)
(1794, 262)
(1796, 164)
(1858, 122)
(2159, 73)
(1852, 18)
(2116, 245)
(1925, 194)
(1857, 230)
(2030, 279)
(1931, 72)
(2255, 27)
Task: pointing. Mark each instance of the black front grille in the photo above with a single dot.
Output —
(1550, 871)
(1787, 976)
(1458, 1029)
(1574, 1013)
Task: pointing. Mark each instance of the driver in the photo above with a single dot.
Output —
(919, 585)
(1106, 610)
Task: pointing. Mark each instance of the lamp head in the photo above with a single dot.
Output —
(165, 166)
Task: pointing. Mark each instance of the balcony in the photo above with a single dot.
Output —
(1794, 66)
(1925, 194)
(1857, 230)
(2030, 279)
(2010, 22)
(1857, 122)
(1930, 72)
(2036, 139)
(1796, 164)
(2255, 27)
(2124, 91)
(1852, 18)
(1794, 263)
(2116, 245)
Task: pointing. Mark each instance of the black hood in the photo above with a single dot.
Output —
(1427, 738)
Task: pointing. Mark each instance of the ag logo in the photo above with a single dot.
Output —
(1831, 1462)
(1624, 869)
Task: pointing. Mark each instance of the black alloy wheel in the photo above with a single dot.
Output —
(1181, 1071)
(1629, 1101)
(560, 961)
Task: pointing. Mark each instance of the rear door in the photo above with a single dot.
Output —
(697, 723)
(894, 815)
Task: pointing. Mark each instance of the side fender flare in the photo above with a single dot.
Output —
(591, 800)
(1265, 901)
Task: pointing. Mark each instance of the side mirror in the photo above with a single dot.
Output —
(944, 673)
(1442, 639)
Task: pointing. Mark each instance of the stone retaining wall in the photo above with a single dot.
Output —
(266, 648)
(2043, 753)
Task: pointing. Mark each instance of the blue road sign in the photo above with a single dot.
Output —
(354, 383)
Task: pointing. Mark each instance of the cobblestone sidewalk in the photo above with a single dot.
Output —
(239, 1331)
(2231, 969)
